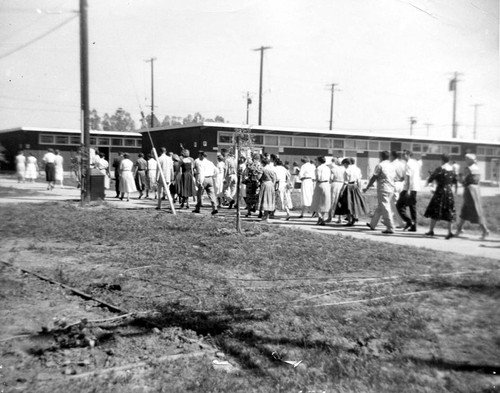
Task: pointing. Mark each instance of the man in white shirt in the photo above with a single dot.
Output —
(408, 197)
(165, 167)
(205, 173)
(49, 159)
(399, 181)
(307, 175)
(384, 174)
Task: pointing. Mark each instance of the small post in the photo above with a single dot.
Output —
(238, 183)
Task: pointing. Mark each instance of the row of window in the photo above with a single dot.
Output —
(488, 151)
(48, 139)
(335, 143)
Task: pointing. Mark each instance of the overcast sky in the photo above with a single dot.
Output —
(391, 59)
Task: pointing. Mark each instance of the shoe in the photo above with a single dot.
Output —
(214, 212)
(321, 223)
(121, 198)
(430, 233)
(387, 232)
(158, 208)
(369, 226)
(301, 216)
(231, 204)
(248, 214)
(181, 205)
(485, 235)
(449, 236)
(413, 228)
(128, 200)
(140, 196)
(287, 217)
(260, 215)
(196, 210)
(314, 214)
(407, 226)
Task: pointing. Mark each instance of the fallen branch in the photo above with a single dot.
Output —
(14, 337)
(140, 267)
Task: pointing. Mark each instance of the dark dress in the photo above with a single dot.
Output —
(185, 180)
(351, 201)
(471, 208)
(251, 178)
(442, 204)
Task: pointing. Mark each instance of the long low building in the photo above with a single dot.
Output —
(290, 144)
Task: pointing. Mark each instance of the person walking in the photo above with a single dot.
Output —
(307, 175)
(127, 182)
(337, 182)
(399, 181)
(284, 186)
(103, 166)
(384, 174)
(140, 168)
(152, 176)
(186, 186)
(165, 167)
(31, 168)
(408, 197)
(322, 196)
(472, 210)
(351, 202)
(442, 204)
(251, 179)
(116, 166)
(205, 172)
(220, 180)
(20, 166)
(267, 195)
(76, 167)
(59, 168)
(50, 168)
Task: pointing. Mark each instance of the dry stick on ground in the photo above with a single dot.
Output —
(84, 295)
(14, 337)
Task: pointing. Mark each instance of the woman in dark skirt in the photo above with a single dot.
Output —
(251, 179)
(351, 202)
(442, 204)
(472, 210)
(186, 187)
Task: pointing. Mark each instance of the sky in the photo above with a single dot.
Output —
(391, 60)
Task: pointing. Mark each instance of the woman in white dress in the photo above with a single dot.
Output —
(337, 182)
(322, 202)
(127, 183)
(58, 162)
(284, 186)
(103, 167)
(31, 168)
(20, 166)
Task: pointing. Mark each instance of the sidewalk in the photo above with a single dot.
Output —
(468, 244)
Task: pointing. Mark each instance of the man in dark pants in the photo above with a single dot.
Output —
(116, 167)
(408, 197)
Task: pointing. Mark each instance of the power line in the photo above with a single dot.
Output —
(39, 37)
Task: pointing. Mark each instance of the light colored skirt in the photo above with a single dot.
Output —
(336, 188)
(31, 172)
(306, 192)
(127, 182)
(267, 196)
(322, 199)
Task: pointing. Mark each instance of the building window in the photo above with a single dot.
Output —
(138, 143)
(61, 139)
(46, 139)
(405, 146)
(271, 140)
(481, 151)
(93, 141)
(373, 145)
(338, 143)
(103, 141)
(286, 141)
(74, 140)
(116, 141)
(129, 142)
(445, 149)
(455, 150)
(361, 145)
(258, 139)
(350, 144)
(225, 137)
(299, 141)
(324, 143)
(416, 147)
(312, 142)
(385, 146)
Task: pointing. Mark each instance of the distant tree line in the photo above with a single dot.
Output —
(121, 120)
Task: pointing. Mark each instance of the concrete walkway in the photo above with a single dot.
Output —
(468, 244)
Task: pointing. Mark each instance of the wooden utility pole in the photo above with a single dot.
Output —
(151, 121)
(249, 101)
(84, 102)
(413, 120)
(428, 125)
(261, 49)
(331, 105)
(453, 87)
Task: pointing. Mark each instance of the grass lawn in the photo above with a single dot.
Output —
(361, 316)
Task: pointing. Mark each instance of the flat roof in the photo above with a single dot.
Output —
(327, 133)
(71, 131)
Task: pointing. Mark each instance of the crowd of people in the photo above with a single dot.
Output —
(327, 189)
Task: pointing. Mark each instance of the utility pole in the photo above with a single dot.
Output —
(84, 101)
(428, 125)
(413, 120)
(475, 120)
(261, 49)
(453, 87)
(151, 60)
(331, 105)
(249, 101)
